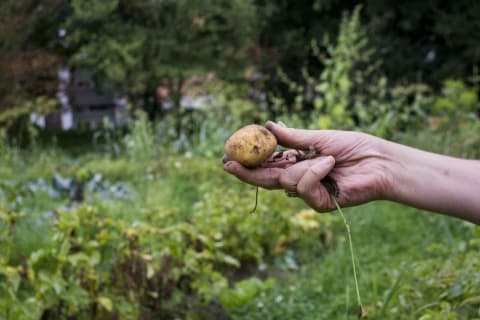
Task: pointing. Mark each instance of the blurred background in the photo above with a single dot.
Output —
(113, 117)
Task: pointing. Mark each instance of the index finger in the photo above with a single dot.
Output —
(295, 138)
(267, 178)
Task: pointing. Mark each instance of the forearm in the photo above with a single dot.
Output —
(433, 182)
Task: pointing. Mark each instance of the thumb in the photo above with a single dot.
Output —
(294, 138)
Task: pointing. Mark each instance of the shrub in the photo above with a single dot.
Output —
(154, 265)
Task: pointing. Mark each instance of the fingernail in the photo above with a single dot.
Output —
(270, 124)
(280, 123)
(225, 159)
(228, 166)
(328, 159)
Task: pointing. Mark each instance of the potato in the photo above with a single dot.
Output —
(250, 145)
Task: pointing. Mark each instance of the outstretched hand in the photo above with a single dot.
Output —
(351, 161)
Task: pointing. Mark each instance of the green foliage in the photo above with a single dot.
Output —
(421, 265)
(179, 241)
(243, 235)
(445, 30)
(341, 83)
(93, 262)
(15, 120)
(352, 93)
(204, 130)
(114, 169)
(140, 144)
(29, 60)
(236, 298)
(453, 126)
(349, 92)
(134, 46)
(431, 41)
(182, 243)
(457, 99)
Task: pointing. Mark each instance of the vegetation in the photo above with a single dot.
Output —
(131, 46)
(169, 235)
(142, 223)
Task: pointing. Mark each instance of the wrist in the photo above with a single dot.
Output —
(396, 170)
(413, 174)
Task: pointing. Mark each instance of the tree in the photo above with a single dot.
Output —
(134, 45)
(30, 50)
(434, 40)
(30, 54)
(426, 40)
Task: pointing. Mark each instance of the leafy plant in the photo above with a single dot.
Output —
(351, 92)
(236, 299)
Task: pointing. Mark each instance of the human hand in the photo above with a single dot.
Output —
(352, 160)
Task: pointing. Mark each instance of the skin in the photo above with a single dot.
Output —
(367, 168)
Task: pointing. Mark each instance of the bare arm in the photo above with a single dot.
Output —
(433, 182)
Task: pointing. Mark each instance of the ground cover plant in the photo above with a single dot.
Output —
(171, 236)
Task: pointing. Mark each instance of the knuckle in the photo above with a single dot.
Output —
(320, 201)
(317, 171)
(286, 180)
(303, 190)
(316, 204)
(265, 178)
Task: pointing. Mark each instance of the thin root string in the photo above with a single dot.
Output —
(352, 255)
(256, 201)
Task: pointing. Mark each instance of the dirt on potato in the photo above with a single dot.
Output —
(250, 145)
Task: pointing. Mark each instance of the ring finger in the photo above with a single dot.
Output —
(290, 177)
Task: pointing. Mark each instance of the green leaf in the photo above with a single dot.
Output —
(77, 258)
(106, 303)
(472, 300)
(225, 258)
(242, 293)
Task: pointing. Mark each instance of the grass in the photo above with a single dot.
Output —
(390, 242)
(352, 255)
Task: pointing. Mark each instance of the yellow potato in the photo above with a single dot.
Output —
(250, 145)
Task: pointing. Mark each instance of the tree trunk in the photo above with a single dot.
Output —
(175, 90)
(150, 100)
